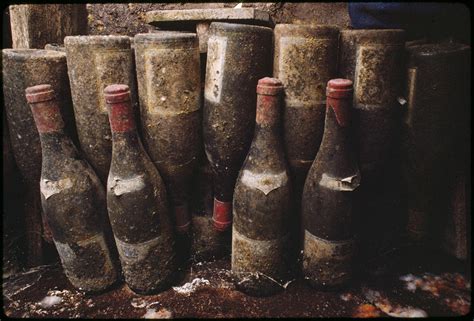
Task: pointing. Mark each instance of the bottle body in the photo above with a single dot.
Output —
(93, 62)
(137, 203)
(73, 200)
(170, 112)
(229, 104)
(262, 202)
(373, 60)
(327, 201)
(305, 59)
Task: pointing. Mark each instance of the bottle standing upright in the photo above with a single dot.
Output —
(137, 203)
(73, 199)
(261, 202)
(328, 242)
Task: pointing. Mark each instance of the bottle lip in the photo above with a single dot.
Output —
(339, 88)
(39, 93)
(269, 86)
(116, 93)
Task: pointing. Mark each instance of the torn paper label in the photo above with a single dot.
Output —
(265, 182)
(121, 186)
(348, 184)
(49, 188)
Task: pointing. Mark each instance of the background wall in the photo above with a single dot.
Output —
(129, 19)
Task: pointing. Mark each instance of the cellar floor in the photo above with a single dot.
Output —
(403, 282)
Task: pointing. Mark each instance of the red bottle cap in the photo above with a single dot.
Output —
(39, 93)
(120, 109)
(269, 86)
(339, 97)
(116, 93)
(339, 88)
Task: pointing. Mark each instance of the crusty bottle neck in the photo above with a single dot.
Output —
(268, 111)
(121, 117)
(47, 116)
(336, 137)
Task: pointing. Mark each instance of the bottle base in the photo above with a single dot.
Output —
(257, 285)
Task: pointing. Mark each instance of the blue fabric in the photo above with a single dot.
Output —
(385, 15)
(419, 19)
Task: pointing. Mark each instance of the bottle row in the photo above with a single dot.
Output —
(135, 205)
(176, 130)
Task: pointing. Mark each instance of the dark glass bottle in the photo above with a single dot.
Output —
(137, 202)
(261, 202)
(328, 241)
(73, 199)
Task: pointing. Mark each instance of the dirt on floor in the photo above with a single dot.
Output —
(401, 283)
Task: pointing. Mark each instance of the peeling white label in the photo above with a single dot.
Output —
(216, 48)
(68, 256)
(265, 182)
(49, 188)
(349, 183)
(126, 185)
(135, 252)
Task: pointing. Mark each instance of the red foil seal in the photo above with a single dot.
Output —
(222, 215)
(268, 100)
(339, 98)
(119, 107)
(182, 219)
(45, 108)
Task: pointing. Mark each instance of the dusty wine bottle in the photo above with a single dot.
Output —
(305, 59)
(22, 68)
(169, 85)
(73, 199)
(434, 134)
(93, 62)
(373, 60)
(232, 72)
(137, 202)
(328, 243)
(261, 202)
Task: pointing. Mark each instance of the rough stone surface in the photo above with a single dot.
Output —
(130, 19)
(167, 18)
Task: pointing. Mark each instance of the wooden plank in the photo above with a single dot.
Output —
(35, 25)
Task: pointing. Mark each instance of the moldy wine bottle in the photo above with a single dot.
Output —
(73, 199)
(137, 202)
(261, 203)
(232, 72)
(327, 202)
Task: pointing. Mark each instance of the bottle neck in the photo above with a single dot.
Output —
(47, 117)
(337, 132)
(126, 145)
(268, 111)
(266, 142)
(55, 144)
